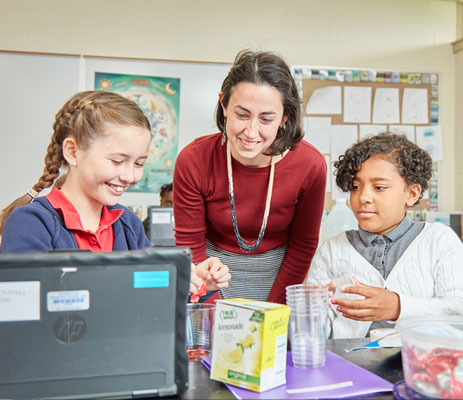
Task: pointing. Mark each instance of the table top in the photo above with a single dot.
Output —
(386, 363)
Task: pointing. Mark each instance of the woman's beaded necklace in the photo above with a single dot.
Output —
(246, 245)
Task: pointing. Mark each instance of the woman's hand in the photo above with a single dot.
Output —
(195, 281)
(214, 273)
(378, 304)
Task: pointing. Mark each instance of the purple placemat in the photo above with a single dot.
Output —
(337, 379)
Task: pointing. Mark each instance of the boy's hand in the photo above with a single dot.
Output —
(214, 273)
(378, 304)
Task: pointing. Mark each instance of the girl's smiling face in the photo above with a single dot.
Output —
(111, 164)
(380, 195)
(254, 113)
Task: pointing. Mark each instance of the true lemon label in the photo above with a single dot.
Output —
(249, 348)
(257, 316)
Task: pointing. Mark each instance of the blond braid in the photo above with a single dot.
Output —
(53, 162)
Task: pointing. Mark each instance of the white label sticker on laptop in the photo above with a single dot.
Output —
(19, 301)
(68, 300)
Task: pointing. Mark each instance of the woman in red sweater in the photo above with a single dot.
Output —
(252, 195)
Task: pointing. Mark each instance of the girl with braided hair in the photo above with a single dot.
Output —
(102, 138)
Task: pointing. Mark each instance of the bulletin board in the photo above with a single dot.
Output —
(341, 106)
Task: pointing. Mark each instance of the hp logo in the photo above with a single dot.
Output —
(70, 328)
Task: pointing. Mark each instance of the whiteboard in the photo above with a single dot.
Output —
(33, 89)
(35, 86)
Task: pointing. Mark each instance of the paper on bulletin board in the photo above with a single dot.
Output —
(328, 173)
(429, 138)
(357, 104)
(415, 106)
(318, 132)
(342, 137)
(371, 130)
(386, 106)
(408, 130)
(325, 100)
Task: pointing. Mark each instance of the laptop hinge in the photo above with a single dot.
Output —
(140, 394)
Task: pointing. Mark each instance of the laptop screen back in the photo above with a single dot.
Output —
(89, 325)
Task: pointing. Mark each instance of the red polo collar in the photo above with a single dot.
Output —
(102, 239)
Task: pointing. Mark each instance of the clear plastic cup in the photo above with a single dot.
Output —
(307, 324)
(199, 328)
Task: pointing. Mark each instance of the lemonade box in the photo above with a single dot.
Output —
(249, 347)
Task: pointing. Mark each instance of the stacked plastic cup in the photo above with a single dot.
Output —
(307, 324)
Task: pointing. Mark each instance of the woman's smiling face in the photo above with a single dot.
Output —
(254, 114)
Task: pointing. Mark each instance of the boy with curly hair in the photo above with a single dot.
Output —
(400, 268)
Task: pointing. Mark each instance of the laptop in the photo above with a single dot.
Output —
(161, 226)
(83, 325)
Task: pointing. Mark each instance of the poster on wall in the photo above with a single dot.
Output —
(159, 99)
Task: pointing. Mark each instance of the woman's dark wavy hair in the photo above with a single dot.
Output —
(270, 69)
(413, 163)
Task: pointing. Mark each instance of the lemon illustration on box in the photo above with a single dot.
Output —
(249, 348)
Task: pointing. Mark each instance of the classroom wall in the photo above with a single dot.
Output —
(413, 35)
(458, 48)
